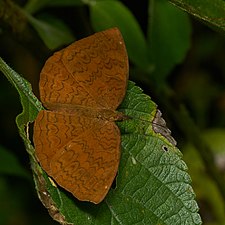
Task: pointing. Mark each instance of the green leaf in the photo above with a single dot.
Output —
(31, 105)
(108, 13)
(51, 30)
(33, 6)
(168, 36)
(208, 11)
(152, 186)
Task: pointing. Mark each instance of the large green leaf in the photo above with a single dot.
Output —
(168, 37)
(208, 11)
(152, 186)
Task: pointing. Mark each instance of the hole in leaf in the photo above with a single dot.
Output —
(164, 147)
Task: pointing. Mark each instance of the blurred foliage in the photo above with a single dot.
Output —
(175, 58)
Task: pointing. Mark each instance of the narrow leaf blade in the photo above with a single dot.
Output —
(209, 12)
